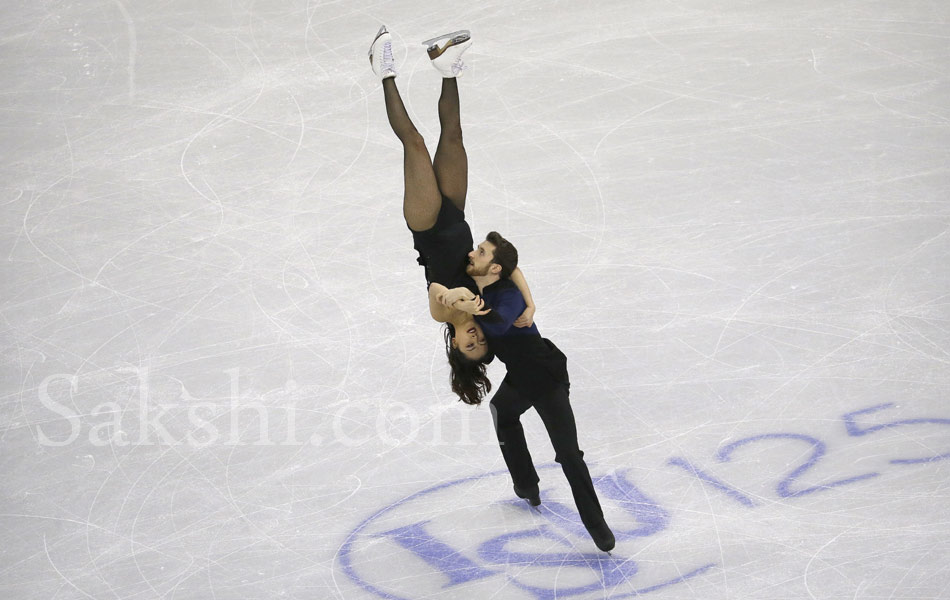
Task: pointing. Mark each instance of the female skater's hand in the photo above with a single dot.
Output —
(450, 297)
(475, 306)
(526, 318)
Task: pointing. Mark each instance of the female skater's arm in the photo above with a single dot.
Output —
(439, 311)
(443, 302)
(527, 317)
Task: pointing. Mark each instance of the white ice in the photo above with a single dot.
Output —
(219, 379)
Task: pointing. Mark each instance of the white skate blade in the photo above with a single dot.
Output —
(382, 31)
(463, 34)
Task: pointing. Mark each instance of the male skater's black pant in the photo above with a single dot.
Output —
(507, 406)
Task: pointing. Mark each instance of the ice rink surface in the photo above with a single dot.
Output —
(220, 381)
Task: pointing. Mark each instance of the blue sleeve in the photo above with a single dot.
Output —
(506, 307)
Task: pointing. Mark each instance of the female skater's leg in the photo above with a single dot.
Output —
(451, 162)
(422, 198)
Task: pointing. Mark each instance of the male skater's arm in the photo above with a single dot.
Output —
(441, 298)
(506, 305)
(527, 317)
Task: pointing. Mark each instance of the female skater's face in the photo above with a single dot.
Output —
(471, 341)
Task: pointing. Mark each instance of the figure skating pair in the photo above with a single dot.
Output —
(433, 207)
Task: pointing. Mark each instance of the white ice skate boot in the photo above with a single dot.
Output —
(381, 54)
(445, 52)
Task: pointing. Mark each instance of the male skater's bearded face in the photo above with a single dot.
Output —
(480, 260)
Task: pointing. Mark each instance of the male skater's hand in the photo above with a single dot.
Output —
(526, 319)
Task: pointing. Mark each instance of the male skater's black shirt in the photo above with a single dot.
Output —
(535, 364)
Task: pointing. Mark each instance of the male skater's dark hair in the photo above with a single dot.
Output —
(506, 255)
(469, 377)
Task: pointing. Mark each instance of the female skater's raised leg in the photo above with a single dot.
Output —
(421, 197)
(451, 161)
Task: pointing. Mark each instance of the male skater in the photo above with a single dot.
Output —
(537, 376)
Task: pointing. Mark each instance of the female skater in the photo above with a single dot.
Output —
(434, 205)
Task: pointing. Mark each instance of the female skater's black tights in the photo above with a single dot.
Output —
(426, 182)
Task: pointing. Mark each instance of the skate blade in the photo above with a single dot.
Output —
(382, 31)
(456, 36)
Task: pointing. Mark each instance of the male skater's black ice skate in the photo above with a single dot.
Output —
(533, 496)
(603, 537)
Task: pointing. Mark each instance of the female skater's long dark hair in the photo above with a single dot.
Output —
(469, 377)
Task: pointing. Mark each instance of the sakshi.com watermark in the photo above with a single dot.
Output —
(297, 420)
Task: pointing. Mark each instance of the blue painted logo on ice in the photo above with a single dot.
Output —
(447, 537)
(448, 540)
